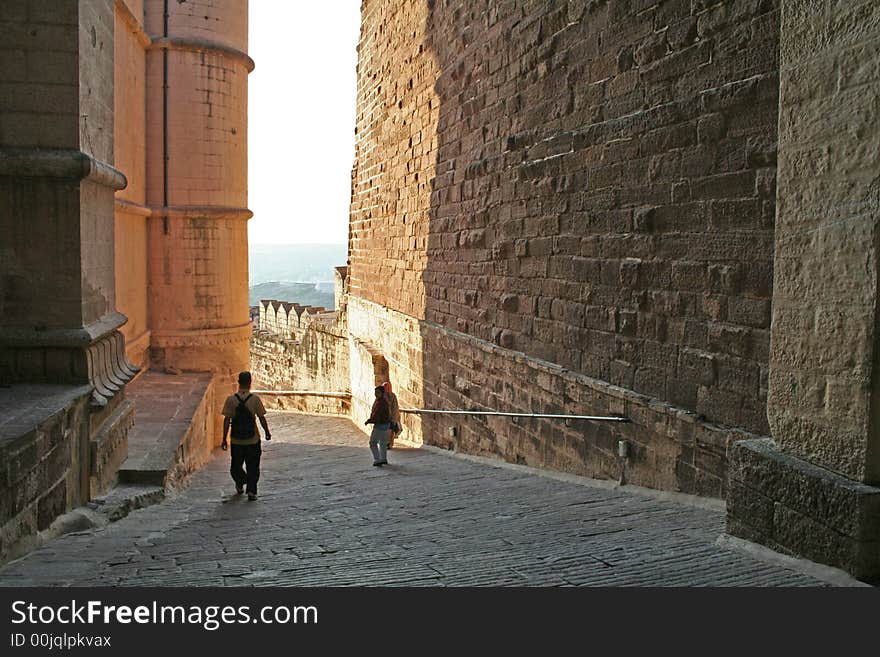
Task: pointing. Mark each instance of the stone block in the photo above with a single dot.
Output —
(749, 507)
(815, 513)
(51, 504)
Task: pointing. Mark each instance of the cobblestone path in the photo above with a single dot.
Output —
(326, 517)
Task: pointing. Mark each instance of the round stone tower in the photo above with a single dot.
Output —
(197, 74)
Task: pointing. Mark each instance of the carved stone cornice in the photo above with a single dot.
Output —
(61, 163)
(201, 45)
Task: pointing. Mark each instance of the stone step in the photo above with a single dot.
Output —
(125, 498)
(142, 476)
(172, 433)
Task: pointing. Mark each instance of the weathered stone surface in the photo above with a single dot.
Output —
(326, 517)
(815, 493)
(782, 501)
(175, 427)
(669, 448)
(597, 207)
(823, 370)
(78, 98)
(303, 350)
(44, 435)
(196, 185)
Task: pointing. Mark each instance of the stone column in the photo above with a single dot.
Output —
(58, 318)
(131, 43)
(197, 70)
(813, 489)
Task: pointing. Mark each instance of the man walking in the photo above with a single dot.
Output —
(240, 413)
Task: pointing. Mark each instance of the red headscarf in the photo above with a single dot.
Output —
(387, 386)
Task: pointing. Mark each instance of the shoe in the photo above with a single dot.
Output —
(377, 462)
(252, 497)
(239, 489)
(383, 462)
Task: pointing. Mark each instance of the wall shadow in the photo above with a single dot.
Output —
(568, 208)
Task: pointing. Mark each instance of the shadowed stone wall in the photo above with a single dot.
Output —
(814, 490)
(63, 369)
(44, 450)
(164, 83)
(583, 188)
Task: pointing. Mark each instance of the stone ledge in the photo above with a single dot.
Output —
(317, 404)
(797, 508)
(850, 507)
(201, 45)
(73, 337)
(109, 448)
(124, 499)
(91, 517)
(69, 164)
(41, 440)
(172, 433)
(25, 407)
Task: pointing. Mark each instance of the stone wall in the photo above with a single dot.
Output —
(50, 55)
(815, 490)
(132, 213)
(38, 60)
(78, 82)
(824, 370)
(202, 435)
(57, 451)
(44, 452)
(304, 352)
(196, 184)
(588, 185)
(385, 345)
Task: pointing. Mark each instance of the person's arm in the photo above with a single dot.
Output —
(227, 413)
(370, 419)
(265, 426)
(261, 416)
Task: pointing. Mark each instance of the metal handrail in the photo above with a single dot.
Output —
(438, 411)
(302, 393)
(555, 416)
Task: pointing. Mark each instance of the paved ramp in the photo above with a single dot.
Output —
(327, 517)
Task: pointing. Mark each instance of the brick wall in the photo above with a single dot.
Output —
(589, 184)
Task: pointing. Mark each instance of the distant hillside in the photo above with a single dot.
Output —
(295, 262)
(305, 294)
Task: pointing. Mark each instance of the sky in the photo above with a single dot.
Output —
(301, 116)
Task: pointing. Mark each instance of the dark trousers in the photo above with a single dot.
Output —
(249, 455)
